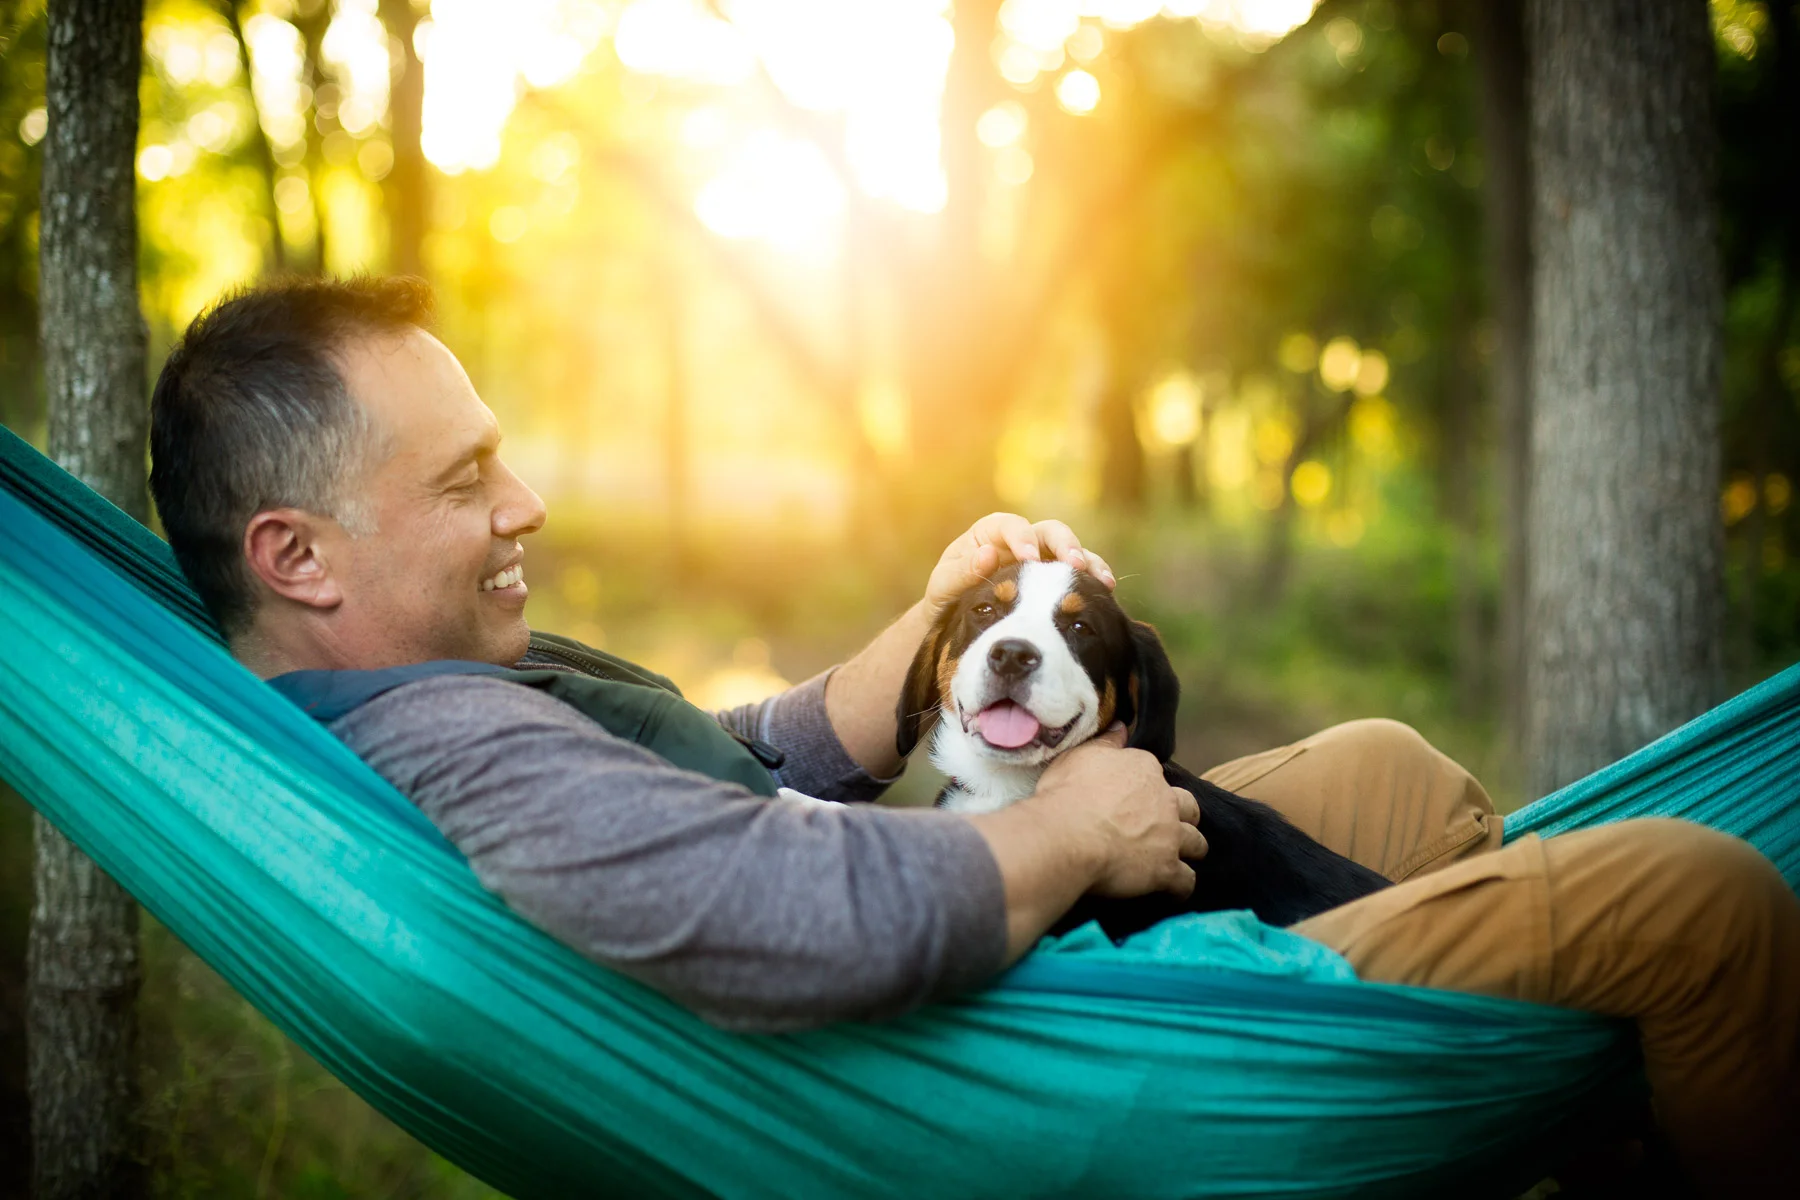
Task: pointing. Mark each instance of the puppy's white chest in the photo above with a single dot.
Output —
(977, 784)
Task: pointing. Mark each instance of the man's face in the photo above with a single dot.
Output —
(448, 517)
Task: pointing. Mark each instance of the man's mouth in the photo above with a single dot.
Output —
(1008, 725)
(513, 576)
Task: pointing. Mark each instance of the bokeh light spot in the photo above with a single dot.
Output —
(1311, 483)
(1340, 363)
(1078, 92)
(1298, 353)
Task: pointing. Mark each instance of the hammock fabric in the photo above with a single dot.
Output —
(1208, 1057)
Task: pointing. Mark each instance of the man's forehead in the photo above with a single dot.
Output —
(419, 395)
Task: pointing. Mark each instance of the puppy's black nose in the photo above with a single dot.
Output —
(1013, 658)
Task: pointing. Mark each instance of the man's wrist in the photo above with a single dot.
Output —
(1075, 837)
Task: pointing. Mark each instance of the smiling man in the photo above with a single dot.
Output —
(333, 487)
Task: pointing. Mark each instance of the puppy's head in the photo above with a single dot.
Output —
(1035, 660)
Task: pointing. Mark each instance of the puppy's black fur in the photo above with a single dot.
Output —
(1255, 859)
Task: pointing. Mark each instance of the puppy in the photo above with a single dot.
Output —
(1039, 659)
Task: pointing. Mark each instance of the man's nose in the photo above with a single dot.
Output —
(520, 511)
(1013, 658)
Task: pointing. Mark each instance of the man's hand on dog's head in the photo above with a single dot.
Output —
(1001, 538)
(1116, 802)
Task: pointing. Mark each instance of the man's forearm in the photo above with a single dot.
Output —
(861, 695)
(1044, 870)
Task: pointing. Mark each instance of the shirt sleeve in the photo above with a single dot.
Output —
(816, 763)
(758, 914)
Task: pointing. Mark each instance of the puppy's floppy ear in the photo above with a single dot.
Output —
(1155, 692)
(919, 699)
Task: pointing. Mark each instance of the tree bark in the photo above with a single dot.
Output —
(274, 250)
(83, 958)
(406, 183)
(1456, 491)
(1623, 626)
(1500, 54)
(313, 18)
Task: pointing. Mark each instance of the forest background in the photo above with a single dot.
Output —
(772, 299)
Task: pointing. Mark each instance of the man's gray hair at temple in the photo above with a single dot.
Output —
(251, 412)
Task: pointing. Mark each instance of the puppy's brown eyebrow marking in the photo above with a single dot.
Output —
(1006, 591)
(1073, 603)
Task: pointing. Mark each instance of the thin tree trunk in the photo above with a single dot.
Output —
(1457, 500)
(1626, 544)
(1122, 454)
(275, 250)
(83, 957)
(406, 183)
(1500, 53)
(313, 18)
(677, 466)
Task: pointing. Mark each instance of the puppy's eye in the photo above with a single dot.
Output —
(1078, 626)
(983, 609)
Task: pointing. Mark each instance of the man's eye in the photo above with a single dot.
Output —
(983, 610)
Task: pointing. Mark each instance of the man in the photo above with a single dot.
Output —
(333, 488)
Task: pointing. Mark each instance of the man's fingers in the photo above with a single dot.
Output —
(1061, 542)
(1008, 531)
(1013, 537)
(1113, 736)
(1193, 844)
(1096, 566)
(1187, 806)
(984, 561)
(1182, 880)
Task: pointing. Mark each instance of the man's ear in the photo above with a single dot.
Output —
(919, 700)
(284, 550)
(1155, 693)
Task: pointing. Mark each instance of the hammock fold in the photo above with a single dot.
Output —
(1211, 1056)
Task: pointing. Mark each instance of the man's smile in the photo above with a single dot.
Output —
(510, 579)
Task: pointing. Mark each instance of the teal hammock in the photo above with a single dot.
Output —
(1211, 1056)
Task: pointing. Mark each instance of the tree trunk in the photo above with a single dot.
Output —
(313, 18)
(678, 473)
(83, 961)
(1122, 454)
(1500, 52)
(406, 183)
(1456, 499)
(1626, 543)
(274, 250)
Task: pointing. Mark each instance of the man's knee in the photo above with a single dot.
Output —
(1711, 890)
(1378, 739)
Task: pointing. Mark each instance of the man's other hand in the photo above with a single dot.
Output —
(1001, 538)
(1116, 802)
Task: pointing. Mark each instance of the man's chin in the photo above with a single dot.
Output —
(501, 642)
(513, 643)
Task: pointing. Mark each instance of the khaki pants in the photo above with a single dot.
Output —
(1689, 932)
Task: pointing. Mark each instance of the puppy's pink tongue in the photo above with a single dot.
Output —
(1007, 725)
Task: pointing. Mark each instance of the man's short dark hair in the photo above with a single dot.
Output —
(251, 413)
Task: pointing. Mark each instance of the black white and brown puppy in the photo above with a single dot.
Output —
(1039, 659)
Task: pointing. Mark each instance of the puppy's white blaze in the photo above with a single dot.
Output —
(1058, 692)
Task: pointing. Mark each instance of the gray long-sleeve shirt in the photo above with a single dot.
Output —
(758, 914)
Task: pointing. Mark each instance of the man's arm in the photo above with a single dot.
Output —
(760, 914)
(757, 914)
